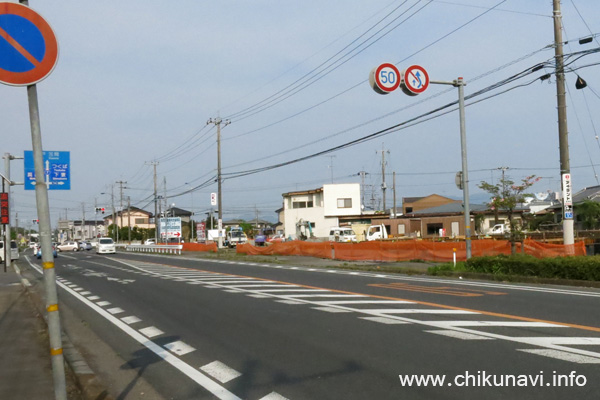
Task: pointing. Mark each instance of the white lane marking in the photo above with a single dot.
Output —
(178, 347)
(563, 355)
(93, 298)
(273, 396)
(331, 309)
(384, 320)
(509, 324)
(225, 279)
(25, 282)
(220, 371)
(573, 341)
(259, 296)
(460, 335)
(115, 310)
(191, 372)
(417, 311)
(222, 281)
(324, 295)
(103, 303)
(78, 289)
(233, 291)
(420, 311)
(290, 290)
(151, 331)
(591, 293)
(426, 323)
(132, 319)
(289, 301)
(265, 286)
(340, 302)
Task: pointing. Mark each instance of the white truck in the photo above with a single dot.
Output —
(498, 229)
(236, 236)
(376, 232)
(344, 235)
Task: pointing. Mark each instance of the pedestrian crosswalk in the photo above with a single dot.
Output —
(451, 322)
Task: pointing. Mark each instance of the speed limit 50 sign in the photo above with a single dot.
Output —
(385, 78)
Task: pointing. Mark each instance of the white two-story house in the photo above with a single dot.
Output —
(321, 208)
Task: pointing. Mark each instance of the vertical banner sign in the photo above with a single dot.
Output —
(5, 213)
(567, 196)
(201, 231)
(213, 199)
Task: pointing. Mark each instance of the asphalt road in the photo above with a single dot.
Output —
(184, 328)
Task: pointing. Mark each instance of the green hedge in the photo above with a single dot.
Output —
(580, 268)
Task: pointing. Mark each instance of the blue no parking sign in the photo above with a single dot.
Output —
(28, 46)
(57, 170)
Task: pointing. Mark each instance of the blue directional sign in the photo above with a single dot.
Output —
(57, 170)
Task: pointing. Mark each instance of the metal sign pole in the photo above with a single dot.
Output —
(43, 207)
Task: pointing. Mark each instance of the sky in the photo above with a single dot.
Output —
(137, 81)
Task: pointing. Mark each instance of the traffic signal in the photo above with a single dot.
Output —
(102, 210)
(35, 221)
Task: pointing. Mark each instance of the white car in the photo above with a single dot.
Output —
(149, 242)
(14, 251)
(68, 246)
(106, 246)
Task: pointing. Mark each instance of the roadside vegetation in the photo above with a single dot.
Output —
(583, 268)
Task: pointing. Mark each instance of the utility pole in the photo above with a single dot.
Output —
(218, 121)
(331, 166)
(394, 182)
(114, 217)
(563, 134)
(129, 218)
(154, 164)
(383, 185)
(121, 183)
(166, 205)
(95, 218)
(82, 220)
(496, 211)
(362, 186)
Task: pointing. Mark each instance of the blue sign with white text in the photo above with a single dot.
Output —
(57, 170)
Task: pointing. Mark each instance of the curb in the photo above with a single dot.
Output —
(85, 378)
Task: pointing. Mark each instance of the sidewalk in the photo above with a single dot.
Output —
(25, 367)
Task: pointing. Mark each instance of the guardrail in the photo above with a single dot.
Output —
(155, 248)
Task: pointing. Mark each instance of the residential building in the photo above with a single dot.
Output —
(320, 208)
(132, 217)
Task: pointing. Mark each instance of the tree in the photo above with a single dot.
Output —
(506, 195)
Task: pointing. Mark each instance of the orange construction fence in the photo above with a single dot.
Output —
(199, 247)
(411, 250)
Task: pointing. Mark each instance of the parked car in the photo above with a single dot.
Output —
(106, 246)
(14, 251)
(68, 246)
(38, 252)
(84, 245)
(149, 242)
(276, 238)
